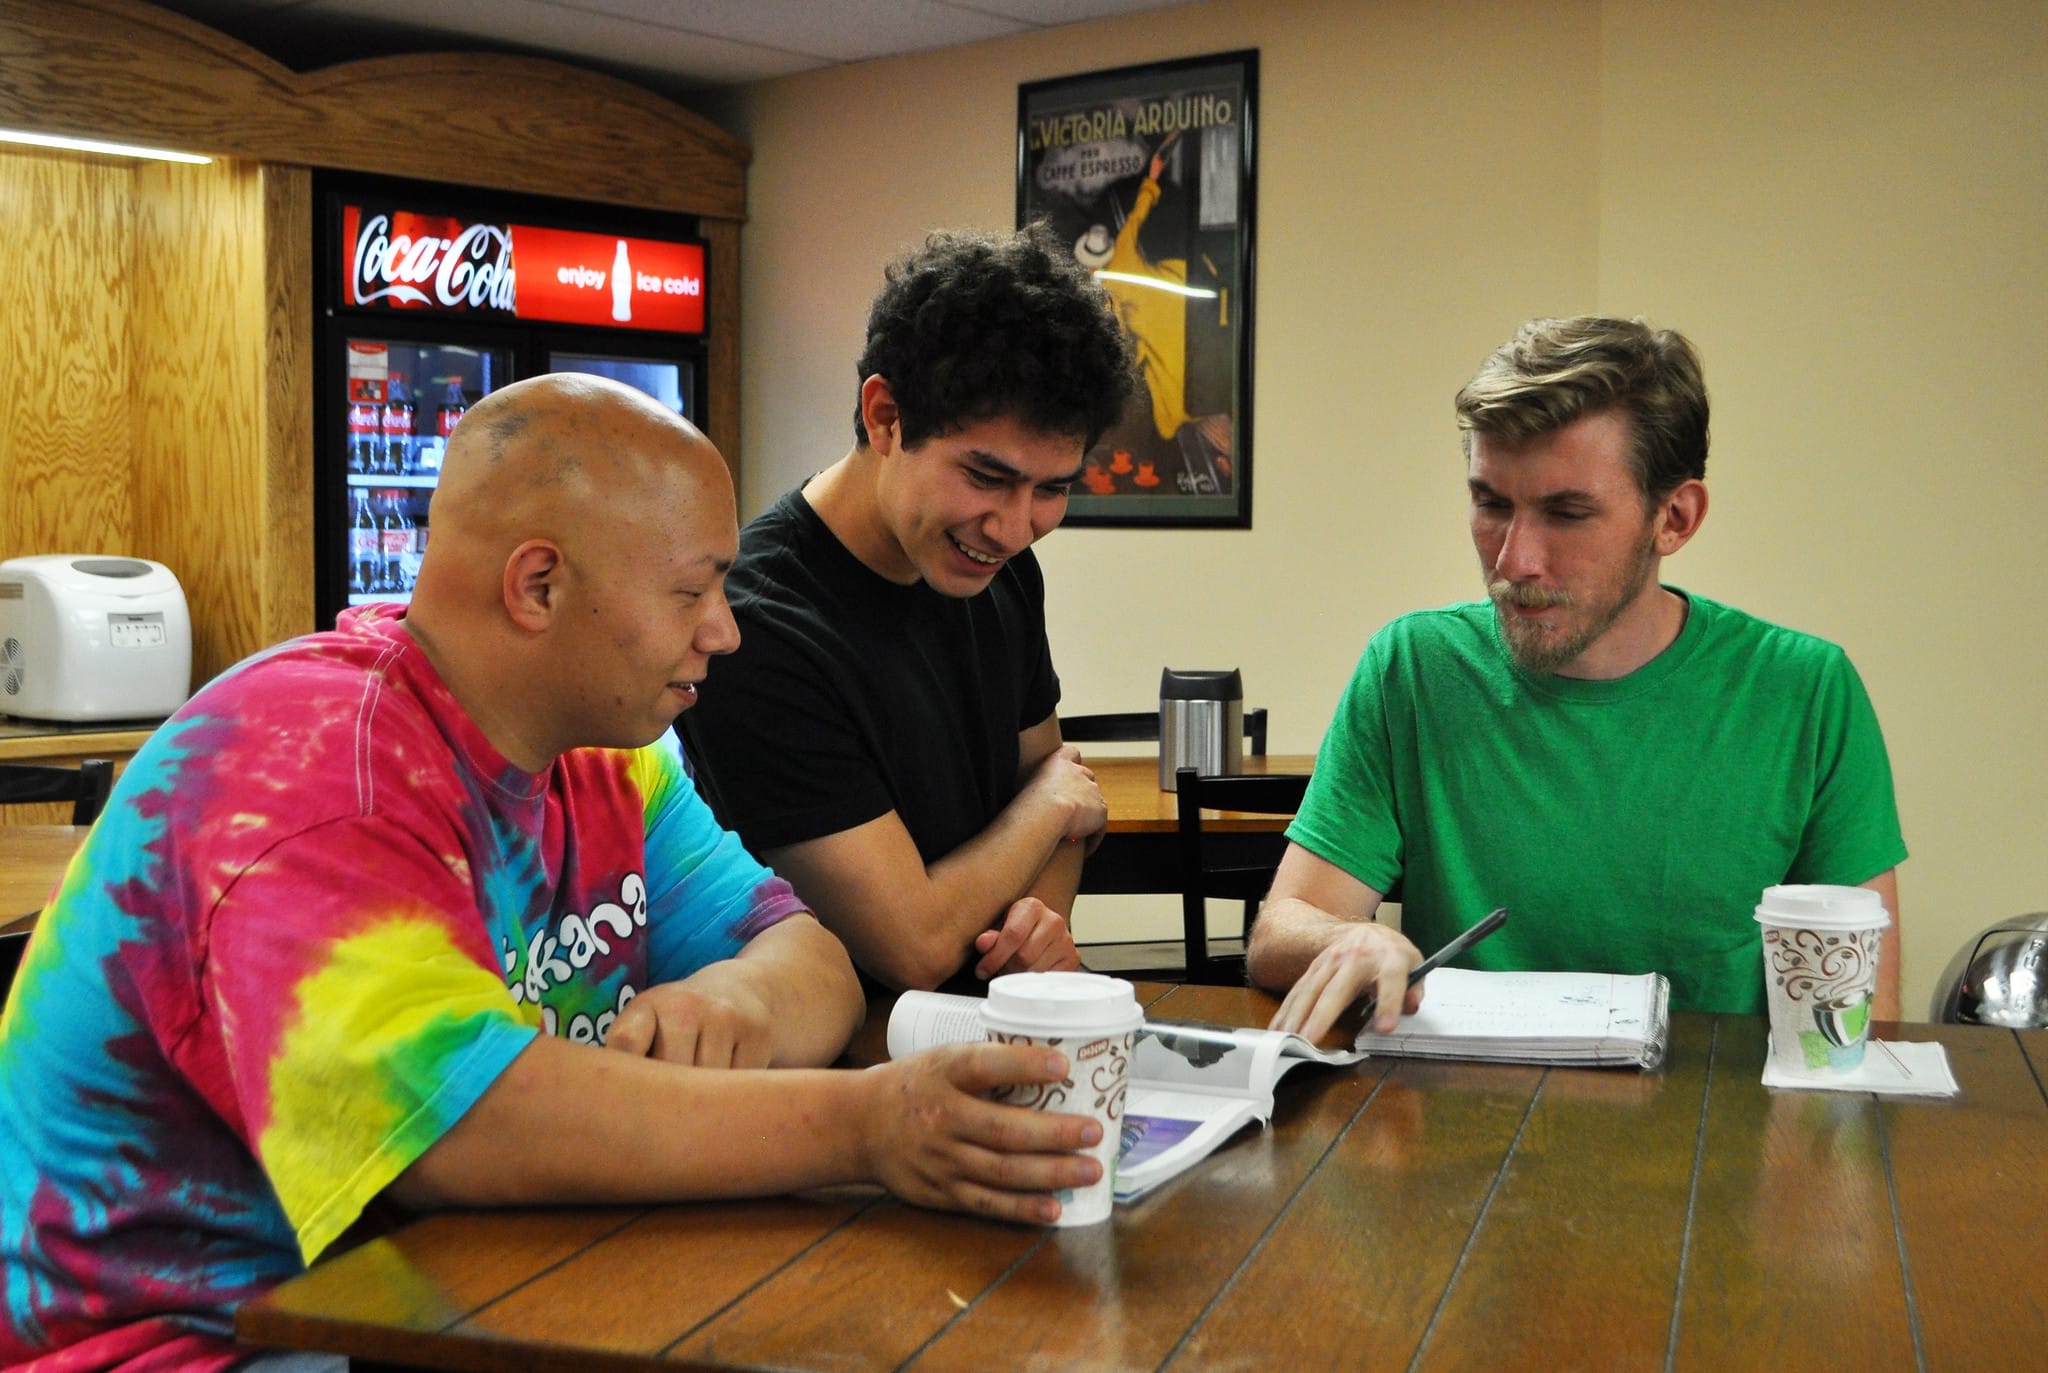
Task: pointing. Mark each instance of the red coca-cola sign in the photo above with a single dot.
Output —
(399, 260)
(402, 260)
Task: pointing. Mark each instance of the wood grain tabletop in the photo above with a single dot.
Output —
(1395, 1214)
(32, 861)
(1137, 806)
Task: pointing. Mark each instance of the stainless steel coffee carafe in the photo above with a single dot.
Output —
(1201, 724)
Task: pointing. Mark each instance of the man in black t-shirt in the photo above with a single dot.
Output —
(885, 735)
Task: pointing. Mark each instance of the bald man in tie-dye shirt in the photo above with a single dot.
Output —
(349, 935)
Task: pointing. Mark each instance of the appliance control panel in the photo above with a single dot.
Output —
(136, 631)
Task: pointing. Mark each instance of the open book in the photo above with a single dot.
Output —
(1192, 1085)
(1562, 1018)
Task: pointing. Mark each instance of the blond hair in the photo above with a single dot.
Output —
(1554, 371)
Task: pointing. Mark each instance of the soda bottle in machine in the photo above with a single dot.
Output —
(363, 435)
(365, 548)
(409, 559)
(397, 429)
(453, 404)
(380, 448)
(395, 538)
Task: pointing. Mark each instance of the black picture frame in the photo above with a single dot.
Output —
(1181, 255)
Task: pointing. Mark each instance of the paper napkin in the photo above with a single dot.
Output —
(1889, 1068)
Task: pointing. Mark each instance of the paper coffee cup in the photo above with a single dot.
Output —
(1094, 1021)
(1820, 972)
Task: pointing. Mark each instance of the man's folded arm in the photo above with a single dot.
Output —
(1059, 880)
(787, 999)
(813, 994)
(1035, 933)
(912, 926)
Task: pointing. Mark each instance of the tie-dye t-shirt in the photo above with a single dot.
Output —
(319, 917)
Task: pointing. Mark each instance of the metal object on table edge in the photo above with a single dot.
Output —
(1999, 976)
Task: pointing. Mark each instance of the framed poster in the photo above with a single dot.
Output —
(1147, 172)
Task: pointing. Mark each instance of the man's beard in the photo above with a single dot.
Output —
(1539, 649)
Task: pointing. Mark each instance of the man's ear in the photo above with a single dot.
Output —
(1680, 516)
(532, 584)
(878, 414)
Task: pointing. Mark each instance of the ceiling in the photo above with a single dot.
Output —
(672, 46)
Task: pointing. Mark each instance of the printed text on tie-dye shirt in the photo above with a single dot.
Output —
(550, 961)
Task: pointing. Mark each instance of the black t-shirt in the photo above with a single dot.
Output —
(851, 696)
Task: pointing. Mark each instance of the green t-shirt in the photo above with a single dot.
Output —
(1628, 826)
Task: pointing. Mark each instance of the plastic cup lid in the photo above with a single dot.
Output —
(1822, 908)
(1061, 1002)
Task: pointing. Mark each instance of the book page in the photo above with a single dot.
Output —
(1165, 1133)
(1192, 1086)
(1464, 1004)
(1186, 1055)
(924, 1020)
(1146, 1138)
(1206, 1058)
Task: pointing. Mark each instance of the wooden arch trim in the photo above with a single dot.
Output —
(126, 70)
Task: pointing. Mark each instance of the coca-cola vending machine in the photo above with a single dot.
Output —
(430, 298)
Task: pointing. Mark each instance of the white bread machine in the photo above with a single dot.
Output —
(92, 638)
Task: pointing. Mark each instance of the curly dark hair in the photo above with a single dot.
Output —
(979, 326)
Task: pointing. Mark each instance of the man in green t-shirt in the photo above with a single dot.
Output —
(1623, 764)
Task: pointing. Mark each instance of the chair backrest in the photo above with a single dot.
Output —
(1233, 865)
(1140, 726)
(12, 943)
(86, 786)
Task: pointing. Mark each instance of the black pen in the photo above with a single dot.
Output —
(1494, 920)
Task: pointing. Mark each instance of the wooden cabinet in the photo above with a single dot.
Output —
(160, 317)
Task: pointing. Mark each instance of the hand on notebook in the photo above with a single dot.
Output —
(1362, 959)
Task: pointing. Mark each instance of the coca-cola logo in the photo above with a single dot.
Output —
(472, 270)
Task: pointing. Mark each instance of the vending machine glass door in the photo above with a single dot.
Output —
(669, 381)
(404, 398)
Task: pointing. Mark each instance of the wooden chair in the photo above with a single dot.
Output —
(86, 786)
(1237, 867)
(1142, 726)
(1143, 961)
(12, 945)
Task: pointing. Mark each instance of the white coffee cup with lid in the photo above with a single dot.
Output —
(1820, 972)
(1093, 1020)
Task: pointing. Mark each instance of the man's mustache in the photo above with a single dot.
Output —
(1527, 596)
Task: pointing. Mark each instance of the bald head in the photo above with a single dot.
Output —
(553, 455)
(565, 503)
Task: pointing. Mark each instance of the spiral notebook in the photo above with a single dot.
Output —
(1594, 1019)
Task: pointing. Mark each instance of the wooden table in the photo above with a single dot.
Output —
(32, 860)
(1137, 854)
(1396, 1215)
(67, 745)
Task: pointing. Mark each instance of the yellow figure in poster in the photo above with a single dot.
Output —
(1156, 319)
(1152, 299)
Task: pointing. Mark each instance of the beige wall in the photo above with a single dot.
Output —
(1843, 204)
